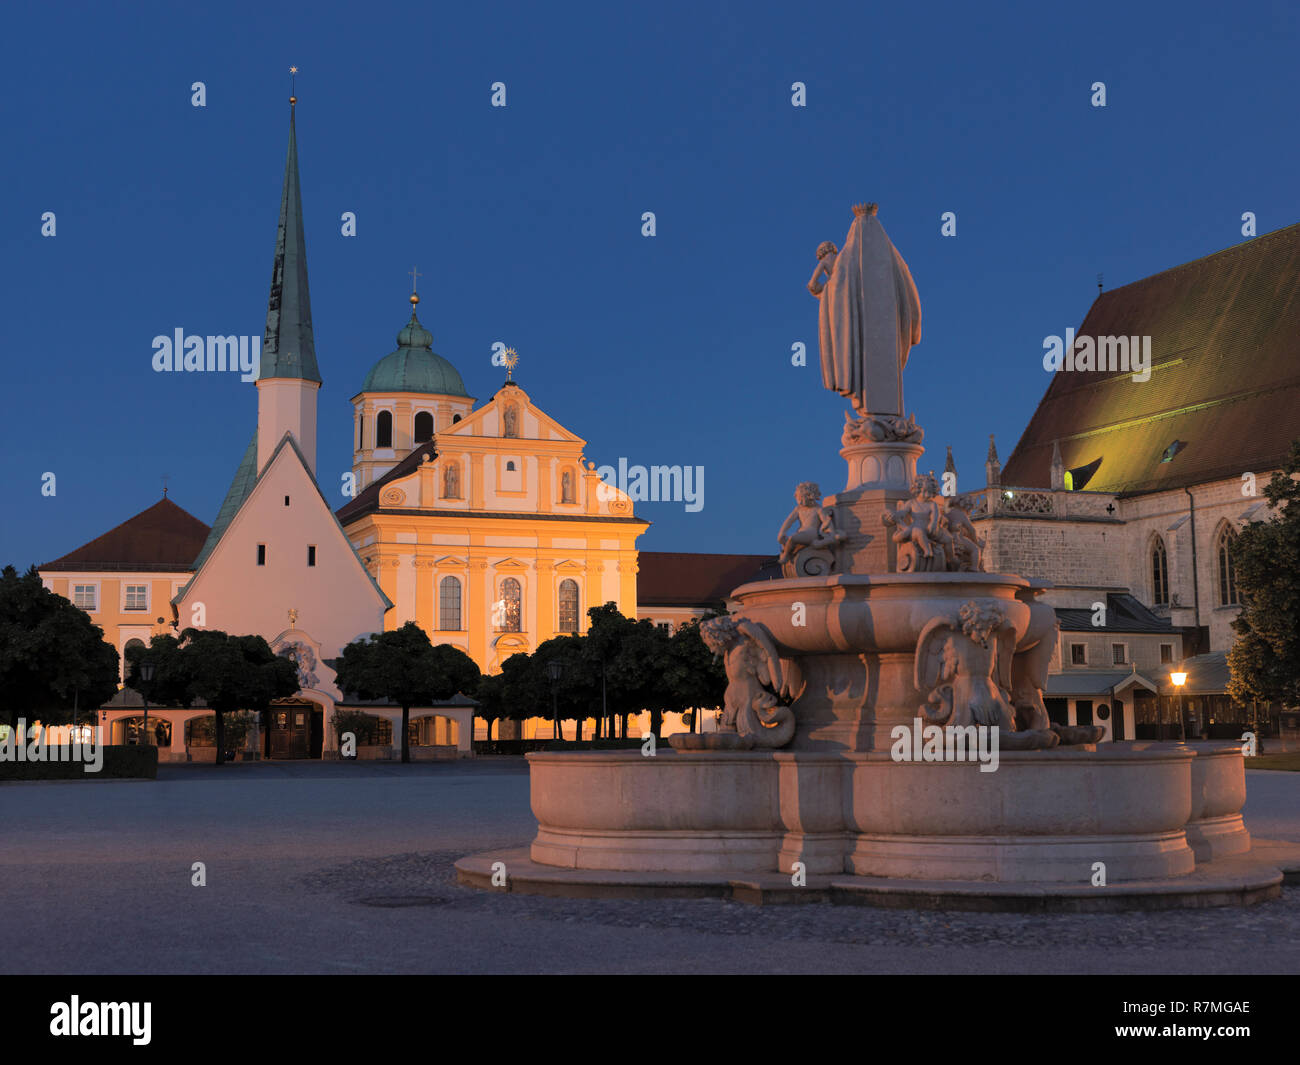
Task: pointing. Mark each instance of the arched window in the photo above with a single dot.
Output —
(384, 429)
(510, 467)
(449, 604)
(361, 432)
(126, 649)
(423, 427)
(1227, 571)
(509, 607)
(1159, 573)
(568, 606)
(455, 418)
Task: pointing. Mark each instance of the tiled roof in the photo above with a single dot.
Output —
(1124, 613)
(671, 578)
(1225, 378)
(162, 539)
(1096, 682)
(368, 498)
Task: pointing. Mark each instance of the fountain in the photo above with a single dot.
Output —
(884, 738)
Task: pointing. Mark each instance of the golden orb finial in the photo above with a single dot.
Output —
(414, 299)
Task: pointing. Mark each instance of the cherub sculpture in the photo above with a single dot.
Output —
(963, 662)
(924, 541)
(751, 706)
(810, 526)
(967, 544)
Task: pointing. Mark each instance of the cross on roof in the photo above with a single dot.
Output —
(415, 275)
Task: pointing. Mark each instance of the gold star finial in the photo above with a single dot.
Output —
(293, 80)
(511, 360)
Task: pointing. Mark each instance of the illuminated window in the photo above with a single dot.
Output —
(509, 608)
(568, 606)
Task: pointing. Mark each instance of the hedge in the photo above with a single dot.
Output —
(121, 761)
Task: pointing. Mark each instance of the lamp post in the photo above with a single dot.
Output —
(1179, 678)
(554, 670)
(146, 678)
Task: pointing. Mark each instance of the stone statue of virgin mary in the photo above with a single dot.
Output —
(870, 316)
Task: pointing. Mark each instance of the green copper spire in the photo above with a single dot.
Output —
(289, 349)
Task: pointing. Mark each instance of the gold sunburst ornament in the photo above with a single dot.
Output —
(511, 360)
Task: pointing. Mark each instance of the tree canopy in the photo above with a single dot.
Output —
(403, 667)
(53, 658)
(1265, 660)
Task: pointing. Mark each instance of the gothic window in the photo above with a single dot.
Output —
(1159, 573)
(509, 607)
(384, 429)
(568, 606)
(423, 427)
(449, 604)
(1227, 570)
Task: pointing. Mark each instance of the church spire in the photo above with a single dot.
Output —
(289, 348)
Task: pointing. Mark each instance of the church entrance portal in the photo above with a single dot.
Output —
(296, 731)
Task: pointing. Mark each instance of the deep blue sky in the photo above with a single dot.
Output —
(525, 222)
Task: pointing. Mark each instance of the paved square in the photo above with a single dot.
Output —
(339, 868)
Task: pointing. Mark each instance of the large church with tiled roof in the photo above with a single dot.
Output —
(1126, 493)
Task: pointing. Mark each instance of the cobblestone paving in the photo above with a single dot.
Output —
(417, 880)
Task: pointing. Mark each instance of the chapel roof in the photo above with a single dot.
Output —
(415, 366)
(1224, 393)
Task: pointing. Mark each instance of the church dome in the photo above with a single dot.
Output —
(415, 367)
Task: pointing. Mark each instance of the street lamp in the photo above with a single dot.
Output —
(1179, 678)
(554, 670)
(146, 678)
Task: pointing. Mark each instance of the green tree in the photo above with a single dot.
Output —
(695, 677)
(229, 673)
(1265, 659)
(403, 667)
(52, 657)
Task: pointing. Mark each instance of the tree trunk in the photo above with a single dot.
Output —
(656, 723)
(406, 740)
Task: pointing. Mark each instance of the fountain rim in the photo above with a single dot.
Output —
(888, 580)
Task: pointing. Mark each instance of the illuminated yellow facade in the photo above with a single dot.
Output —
(496, 534)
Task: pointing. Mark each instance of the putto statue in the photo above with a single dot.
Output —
(807, 534)
(751, 707)
(924, 543)
(870, 316)
(967, 544)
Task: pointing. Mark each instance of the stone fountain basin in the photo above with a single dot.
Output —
(1042, 816)
(881, 614)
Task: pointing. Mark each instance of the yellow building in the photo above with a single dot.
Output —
(126, 578)
(487, 527)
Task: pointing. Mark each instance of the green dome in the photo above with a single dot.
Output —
(415, 367)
